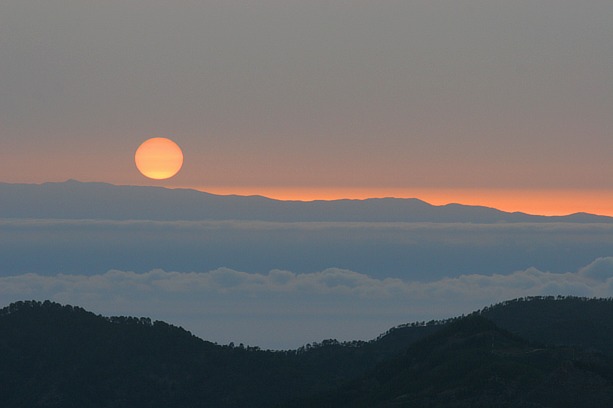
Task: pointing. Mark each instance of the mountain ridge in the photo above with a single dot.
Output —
(54, 355)
(472, 362)
(96, 200)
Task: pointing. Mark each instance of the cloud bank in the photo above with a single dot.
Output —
(408, 251)
(282, 309)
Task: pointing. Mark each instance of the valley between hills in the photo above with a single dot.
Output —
(529, 352)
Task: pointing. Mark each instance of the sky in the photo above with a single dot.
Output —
(500, 103)
(484, 102)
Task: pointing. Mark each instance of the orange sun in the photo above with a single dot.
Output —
(159, 158)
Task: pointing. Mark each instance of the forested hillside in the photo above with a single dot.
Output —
(522, 350)
(581, 322)
(471, 362)
(63, 356)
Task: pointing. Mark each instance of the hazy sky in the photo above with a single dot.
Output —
(470, 101)
(311, 94)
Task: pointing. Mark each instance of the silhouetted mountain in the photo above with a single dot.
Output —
(64, 356)
(584, 323)
(558, 321)
(77, 200)
(471, 362)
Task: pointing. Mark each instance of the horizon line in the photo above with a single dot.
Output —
(532, 201)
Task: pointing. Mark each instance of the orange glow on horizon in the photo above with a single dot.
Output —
(159, 158)
(538, 202)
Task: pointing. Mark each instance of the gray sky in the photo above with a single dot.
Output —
(462, 93)
(450, 94)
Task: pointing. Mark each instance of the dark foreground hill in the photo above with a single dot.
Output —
(63, 356)
(473, 363)
(555, 321)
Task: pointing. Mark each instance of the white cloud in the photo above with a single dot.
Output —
(601, 268)
(592, 280)
(286, 309)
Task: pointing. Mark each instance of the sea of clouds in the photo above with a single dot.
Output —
(408, 251)
(281, 285)
(285, 309)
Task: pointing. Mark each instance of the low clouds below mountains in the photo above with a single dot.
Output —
(285, 309)
(409, 251)
(281, 284)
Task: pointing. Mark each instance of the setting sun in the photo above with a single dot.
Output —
(159, 158)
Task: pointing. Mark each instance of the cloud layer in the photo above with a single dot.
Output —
(408, 251)
(282, 309)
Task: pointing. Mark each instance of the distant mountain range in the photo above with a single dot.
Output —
(77, 200)
(533, 352)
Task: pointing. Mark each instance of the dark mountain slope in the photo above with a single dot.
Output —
(473, 363)
(585, 323)
(63, 356)
(561, 321)
(76, 200)
(54, 355)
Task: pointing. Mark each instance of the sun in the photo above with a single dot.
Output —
(158, 158)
